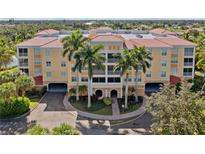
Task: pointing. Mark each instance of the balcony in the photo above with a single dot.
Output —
(188, 63)
(187, 73)
(98, 72)
(23, 64)
(112, 60)
(111, 72)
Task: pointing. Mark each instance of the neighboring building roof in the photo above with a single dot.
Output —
(36, 41)
(53, 44)
(149, 43)
(107, 38)
(47, 32)
(174, 41)
(162, 31)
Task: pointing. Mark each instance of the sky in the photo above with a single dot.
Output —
(102, 9)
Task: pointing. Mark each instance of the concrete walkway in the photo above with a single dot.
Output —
(115, 107)
(69, 107)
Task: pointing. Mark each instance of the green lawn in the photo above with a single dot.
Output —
(98, 107)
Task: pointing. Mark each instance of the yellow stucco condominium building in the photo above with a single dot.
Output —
(173, 60)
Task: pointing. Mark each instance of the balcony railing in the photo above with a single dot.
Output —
(110, 72)
(98, 72)
(187, 73)
(23, 64)
(174, 61)
(23, 54)
(188, 63)
(112, 60)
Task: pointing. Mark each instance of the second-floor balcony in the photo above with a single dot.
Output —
(111, 72)
(188, 63)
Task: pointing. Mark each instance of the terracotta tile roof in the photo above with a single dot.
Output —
(150, 43)
(54, 44)
(107, 38)
(174, 41)
(36, 41)
(47, 32)
(162, 31)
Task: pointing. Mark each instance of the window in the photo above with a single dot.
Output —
(148, 74)
(48, 63)
(63, 64)
(111, 58)
(37, 61)
(23, 62)
(138, 79)
(114, 80)
(23, 52)
(84, 79)
(164, 63)
(188, 61)
(37, 71)
(174, 70)
(129, 79)
(48, 52)
(188, 51)
(111, 70)
(48, 74)
(174, 59)
(110, 47)
(37, 51)
(187, 71)
(74, 79)
(98, 80)
(164, 52)
(118, 47)
(63, 74)
(163, 74)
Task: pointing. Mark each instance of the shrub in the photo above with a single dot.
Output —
(64, 129)
(14, 106)
(107, 101)
(43, 90)
(38, 130)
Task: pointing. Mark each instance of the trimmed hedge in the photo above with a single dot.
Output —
(14, 106)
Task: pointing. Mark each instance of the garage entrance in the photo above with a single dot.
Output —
(57, 87)
(152, 87)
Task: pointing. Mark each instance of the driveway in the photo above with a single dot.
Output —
(49, 113)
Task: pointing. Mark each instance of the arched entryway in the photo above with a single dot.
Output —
(98, 93)
(113, 93)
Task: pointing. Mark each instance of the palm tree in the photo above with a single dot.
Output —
(72, 44)
(91, 56)
(125, 62)
(24, 83)
(201, 65)
(142, 59)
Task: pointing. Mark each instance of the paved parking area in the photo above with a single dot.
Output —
(49, 113)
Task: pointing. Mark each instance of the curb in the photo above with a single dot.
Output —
(25, 114)
(88, 115)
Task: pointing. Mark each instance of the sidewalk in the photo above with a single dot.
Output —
(69, 107)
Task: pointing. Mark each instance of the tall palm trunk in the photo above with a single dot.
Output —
(77, 86)
(89, 92)
(203, 86)
(136, 96)
(126, 91)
